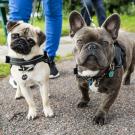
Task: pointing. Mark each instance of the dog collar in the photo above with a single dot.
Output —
(33, 61)
(108, 72)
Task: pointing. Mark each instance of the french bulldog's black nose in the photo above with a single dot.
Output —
(92, 47)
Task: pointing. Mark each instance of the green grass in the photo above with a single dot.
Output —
(127, 23)
(4, 70)
(2, 36)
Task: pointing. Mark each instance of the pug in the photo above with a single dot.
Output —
(102, 56)
(28, 64)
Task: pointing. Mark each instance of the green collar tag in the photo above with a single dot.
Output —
(111, 73)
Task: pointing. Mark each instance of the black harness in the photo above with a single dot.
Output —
(106, 72)
(27, 65)
(24, 64)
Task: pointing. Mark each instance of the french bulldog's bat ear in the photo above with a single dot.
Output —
(76, 22)
(41, 37)
(112, 25)
(11, 25)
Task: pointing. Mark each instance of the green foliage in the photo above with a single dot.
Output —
(120, 6)
(2, 36)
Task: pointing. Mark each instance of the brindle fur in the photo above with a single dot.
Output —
(109, 86)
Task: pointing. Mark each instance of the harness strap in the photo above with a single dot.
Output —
(22, 62)
(109, 71)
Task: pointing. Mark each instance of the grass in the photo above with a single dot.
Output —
(127, 23)
(4, 70)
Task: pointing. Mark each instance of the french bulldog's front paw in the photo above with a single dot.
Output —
(82, 104)
(32, 114)
(48, 112)
(126, 82)
(99, 120)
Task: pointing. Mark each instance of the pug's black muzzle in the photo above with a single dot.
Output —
(21, 46)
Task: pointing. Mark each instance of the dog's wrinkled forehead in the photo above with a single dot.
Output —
(88, 34)
(24, 29)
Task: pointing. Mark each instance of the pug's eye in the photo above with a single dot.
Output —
(79, 41)
(15, 36)
(31, 42)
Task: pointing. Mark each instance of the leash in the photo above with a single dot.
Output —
(34, 10)
(85, 5)
(91, 20)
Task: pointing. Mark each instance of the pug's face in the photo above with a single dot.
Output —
(94, 49)
(23, 37)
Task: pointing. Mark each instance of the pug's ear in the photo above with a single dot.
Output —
(40, 37)
(76, 22)
(11, 25)
(112, 25)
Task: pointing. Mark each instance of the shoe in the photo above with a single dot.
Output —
(13, 82)
(54, 73)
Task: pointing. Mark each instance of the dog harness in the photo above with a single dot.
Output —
(108, 71)
(27, 65)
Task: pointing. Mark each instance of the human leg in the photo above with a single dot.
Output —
(100, 11)
(20, 10)
(53, 19)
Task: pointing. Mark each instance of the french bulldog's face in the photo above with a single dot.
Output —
(94, 49)
(23, 37)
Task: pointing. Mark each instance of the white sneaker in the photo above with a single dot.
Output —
(13, 82)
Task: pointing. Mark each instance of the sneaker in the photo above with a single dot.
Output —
(13, 82)
(54, 73)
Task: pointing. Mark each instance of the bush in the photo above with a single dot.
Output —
(120, 6)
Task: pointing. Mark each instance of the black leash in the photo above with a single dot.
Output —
(85, 5)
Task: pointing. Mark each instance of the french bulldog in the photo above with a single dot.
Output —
(24, 41)
(102, 56)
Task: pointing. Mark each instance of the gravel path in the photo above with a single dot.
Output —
(68, 120)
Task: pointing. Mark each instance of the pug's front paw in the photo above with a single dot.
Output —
(32, 113)
(48, 112)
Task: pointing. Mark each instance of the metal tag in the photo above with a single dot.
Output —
(111, 73)
(24, 77)
(90, 82)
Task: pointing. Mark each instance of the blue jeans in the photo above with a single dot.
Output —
(21, 10)
(100, 11)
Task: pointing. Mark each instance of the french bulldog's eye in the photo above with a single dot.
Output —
(105, 43)
(31, 41)
(15, 35)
